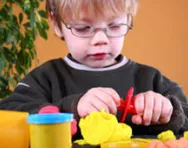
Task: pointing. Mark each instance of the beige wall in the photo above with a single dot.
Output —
(159, 38)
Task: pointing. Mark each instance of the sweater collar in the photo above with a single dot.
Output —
(121, 61)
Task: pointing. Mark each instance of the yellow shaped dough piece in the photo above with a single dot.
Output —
(97, 127)
(121, 132)
(166, 135)
(185, 135)
(80, 142)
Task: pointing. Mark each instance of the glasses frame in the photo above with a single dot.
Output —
(130, 18)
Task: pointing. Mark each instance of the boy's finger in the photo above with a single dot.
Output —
(109, 103)
(139, 103)
(148, 111)
(98, 104)
(157, 108)
(101, 95)
(91, 109)
(166, 112)
(114, 95)
(137, 119)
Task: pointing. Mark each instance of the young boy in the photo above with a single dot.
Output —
(95, 74)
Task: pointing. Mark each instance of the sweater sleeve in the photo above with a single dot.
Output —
(41, 87)
(176, 122)
(69, 104)
(24, 98)
(171, 90)
(174, 93)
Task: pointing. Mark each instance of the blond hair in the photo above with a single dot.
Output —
(65, 10)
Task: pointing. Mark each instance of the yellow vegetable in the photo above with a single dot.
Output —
(166, 135)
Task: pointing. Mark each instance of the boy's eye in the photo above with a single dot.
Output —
(115, 27)
(82, 29)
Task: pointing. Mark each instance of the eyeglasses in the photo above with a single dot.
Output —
(114, 30)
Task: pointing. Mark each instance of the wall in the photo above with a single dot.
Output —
(159, 38)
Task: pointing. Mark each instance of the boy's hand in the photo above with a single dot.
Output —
(97, 98)
(152, 108)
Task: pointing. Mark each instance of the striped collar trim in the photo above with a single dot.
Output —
(86, 68)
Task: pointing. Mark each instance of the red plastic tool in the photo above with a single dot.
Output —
(127, 105)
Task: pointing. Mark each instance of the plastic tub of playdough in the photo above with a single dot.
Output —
(50, 130)
(14, 129)
(132, 143)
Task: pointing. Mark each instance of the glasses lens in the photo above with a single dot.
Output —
(82, 31)
(117, 30)
(112, 31)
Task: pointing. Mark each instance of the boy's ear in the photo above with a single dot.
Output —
(54, 25)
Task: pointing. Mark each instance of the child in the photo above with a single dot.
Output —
(95, 74)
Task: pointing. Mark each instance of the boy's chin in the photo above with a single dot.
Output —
(98, 65)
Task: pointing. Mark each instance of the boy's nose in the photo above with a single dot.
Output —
(99, 38)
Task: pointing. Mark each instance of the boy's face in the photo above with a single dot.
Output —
(98, 50)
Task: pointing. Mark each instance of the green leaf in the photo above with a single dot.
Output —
(3, 80)
(43, 13)
(43, 33)
(19, 68)
(7, 54)
(4, 92)
(14, 22)
(9, 38)
(16, 77)
(26, 5)
(20, 18)
(15, 41)
(32, 19)
(26, 60)
(17, 36)
(33, 53)
(3, 2)
(2, 62)
(1, 28)
(2, 85)
(45, 24)
(34, 3)
(12, 82)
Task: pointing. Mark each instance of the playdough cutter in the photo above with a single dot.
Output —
(127, 105)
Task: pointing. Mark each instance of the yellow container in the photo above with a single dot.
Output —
(14, 129)
(50, 130)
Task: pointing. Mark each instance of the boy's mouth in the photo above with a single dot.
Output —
(99, 56)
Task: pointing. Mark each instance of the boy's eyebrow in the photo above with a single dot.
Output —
(86, 21)
(122, 17)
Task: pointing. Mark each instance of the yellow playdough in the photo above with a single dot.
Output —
(130, 143)
(100, 127)
(122, 132)
(166, 135)
(185, 135)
